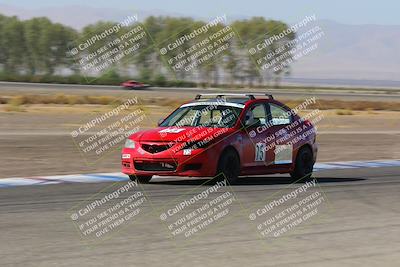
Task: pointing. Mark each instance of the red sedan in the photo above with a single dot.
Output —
(225, 135)
(131, 84)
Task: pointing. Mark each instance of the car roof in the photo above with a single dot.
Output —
(237, 100)
(246, 96)
(239, 103)
(227, 99)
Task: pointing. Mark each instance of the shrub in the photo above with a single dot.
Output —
(159, 80)
(110, 77)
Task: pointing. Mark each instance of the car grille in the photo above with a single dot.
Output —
(155, 166)
(155, 148)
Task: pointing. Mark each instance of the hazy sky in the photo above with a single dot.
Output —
(344, 11)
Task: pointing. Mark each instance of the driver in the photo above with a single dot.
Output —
(249, 119)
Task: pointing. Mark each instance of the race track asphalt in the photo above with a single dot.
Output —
(358, 225)
(348, 94)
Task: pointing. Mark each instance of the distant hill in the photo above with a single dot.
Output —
(353, 52)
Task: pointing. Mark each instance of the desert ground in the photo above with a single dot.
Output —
(35, 139)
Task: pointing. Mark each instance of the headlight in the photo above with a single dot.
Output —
(129, 143)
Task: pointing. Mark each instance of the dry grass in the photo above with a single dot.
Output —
(344, 112)
(3, 100)
(348, 105)
(13, 108)
(62, 99)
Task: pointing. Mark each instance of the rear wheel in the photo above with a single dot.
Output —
(143, 179)
(229, 166)
(304, 164)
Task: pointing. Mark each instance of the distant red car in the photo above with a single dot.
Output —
(229, 134)
(131, 84)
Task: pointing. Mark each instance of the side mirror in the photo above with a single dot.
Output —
(160, 121)
(247, 122)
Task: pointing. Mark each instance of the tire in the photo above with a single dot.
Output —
(229, 165)
(304, 164)
(142, 179)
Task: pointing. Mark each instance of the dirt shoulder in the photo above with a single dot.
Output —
(37, 142)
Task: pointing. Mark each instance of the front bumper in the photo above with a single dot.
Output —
(200, 163)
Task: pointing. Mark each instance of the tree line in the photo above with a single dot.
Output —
(36, 50)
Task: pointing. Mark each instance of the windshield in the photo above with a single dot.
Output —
(218, 116)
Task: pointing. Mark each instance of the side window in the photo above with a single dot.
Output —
(279, 115)
(257, 112)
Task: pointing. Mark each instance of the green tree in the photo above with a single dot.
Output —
(254, 31)
(13, 45)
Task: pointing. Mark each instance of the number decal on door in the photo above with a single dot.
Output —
(260, 152)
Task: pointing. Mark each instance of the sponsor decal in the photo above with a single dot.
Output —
(187, 152)
(172, 130)
(283, 154)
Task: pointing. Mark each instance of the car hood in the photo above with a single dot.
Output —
(179, 134)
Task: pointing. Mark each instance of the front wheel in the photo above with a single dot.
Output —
(142, 179)
(304, 164)
(229, 166)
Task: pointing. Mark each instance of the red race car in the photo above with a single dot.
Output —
(224, 135)
(131, 84)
